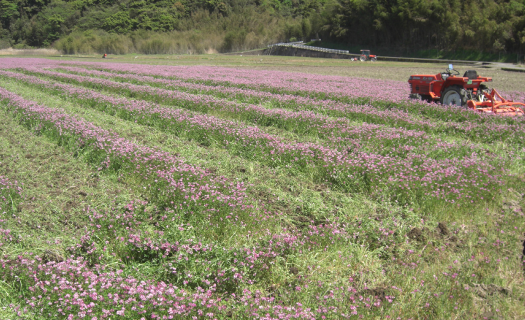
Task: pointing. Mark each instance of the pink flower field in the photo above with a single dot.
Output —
(205, 192)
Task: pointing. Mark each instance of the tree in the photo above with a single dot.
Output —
(119, 22)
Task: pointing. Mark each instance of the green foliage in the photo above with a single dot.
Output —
(402, 25)
(91, 42)
(228, 25)
(242, 30)
(492, 26)
(119, 22)
(234, 40)
(9, 10)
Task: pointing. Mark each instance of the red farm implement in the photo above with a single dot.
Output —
(468, 91)
(366, 56)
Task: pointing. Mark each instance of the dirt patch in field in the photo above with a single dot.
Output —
(379, 293)
(443, 229)
(440, 232)
(484, 291)
(54, 256)
(69, 205)
(294, 270)
(416, 234)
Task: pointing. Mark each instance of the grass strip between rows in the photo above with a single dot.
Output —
(135, 245)
(9, 195)
(394, 264)
(351, 171)
(475, 130)
(358, 91)
(367, 138)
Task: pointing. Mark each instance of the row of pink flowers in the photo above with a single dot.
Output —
(286, 100)
(338, 130)
(453, 120)
(199, 278)
(317, 86)
(410, 175)
(261, 79)
(165, 177)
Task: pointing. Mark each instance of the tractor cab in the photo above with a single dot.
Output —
(366, 56)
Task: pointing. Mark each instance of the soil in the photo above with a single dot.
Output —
(523, 254)
(49, 256)
(443, 229)
(294, 270)
(416, 234)
(379, 293)
(486, 290)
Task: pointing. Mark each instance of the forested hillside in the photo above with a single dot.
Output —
(197, 26)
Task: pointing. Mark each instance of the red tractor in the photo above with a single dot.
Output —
(468, 91)
(366, 56)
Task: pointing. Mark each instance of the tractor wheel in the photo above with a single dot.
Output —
(374, 59)
(362, 58)
(454, 95)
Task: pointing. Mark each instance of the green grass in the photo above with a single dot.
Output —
(57, 187)
(410, 263)
(265, 180)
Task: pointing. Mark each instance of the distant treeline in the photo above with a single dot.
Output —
(198, 26)
(485, 25)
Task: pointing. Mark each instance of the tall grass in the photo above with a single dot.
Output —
(202, 33)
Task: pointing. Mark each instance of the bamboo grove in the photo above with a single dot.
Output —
(198, 26)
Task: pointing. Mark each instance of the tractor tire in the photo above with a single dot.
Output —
(454, 95)
(374, 59)
(362, 58)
